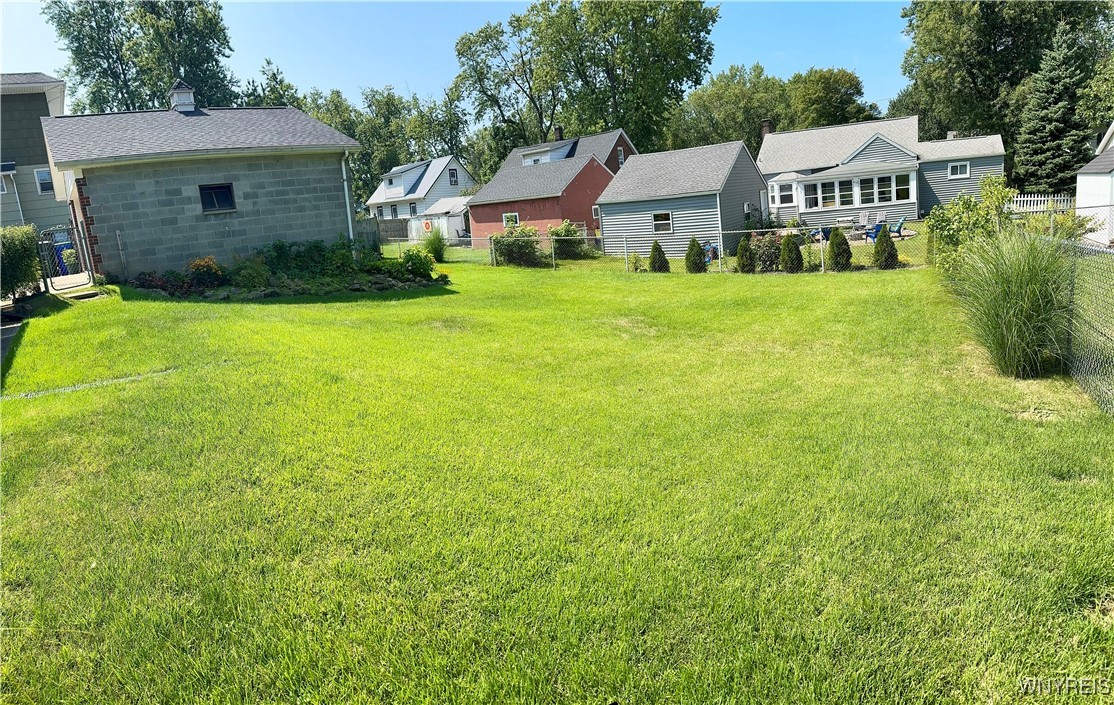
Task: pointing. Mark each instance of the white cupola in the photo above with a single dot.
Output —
(181, 97)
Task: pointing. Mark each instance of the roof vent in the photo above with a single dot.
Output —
(181, 97)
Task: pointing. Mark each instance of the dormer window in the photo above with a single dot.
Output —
(390, 182)
(622, 157)
(453, 180)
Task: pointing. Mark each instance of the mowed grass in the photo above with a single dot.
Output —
(548, 487)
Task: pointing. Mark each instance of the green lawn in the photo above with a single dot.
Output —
(548, 487)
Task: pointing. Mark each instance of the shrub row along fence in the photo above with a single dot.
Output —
(820, 250)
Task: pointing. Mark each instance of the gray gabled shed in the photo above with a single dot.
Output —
(702, 192)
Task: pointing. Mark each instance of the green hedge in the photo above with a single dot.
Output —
(19, 259)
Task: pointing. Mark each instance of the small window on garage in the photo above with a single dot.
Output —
(596, 212)
(43, 181)
(663, 222)
(216, 198)
(510, 220)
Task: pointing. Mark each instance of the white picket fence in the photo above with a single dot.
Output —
(1040, 202)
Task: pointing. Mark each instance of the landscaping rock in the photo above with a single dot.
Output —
(253, 295)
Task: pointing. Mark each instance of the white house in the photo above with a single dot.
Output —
(410, 189)
(1094, 190)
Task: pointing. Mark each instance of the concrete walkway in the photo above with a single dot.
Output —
(8, 332)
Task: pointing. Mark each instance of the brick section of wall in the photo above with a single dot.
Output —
(157, 209)
(87, 221)
(487, 219)
(581, 194)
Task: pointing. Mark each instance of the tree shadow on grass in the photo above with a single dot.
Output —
(128, 293)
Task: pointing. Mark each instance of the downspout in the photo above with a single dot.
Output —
(347, 196)
(15, 190)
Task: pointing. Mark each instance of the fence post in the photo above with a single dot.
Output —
(626, 257)
(721, 251)
(822, 264)
(553, 252)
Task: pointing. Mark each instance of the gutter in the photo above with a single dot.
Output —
(347, 196)
(197, 154)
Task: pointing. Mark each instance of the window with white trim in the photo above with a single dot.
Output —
(413, 209)
(510, 220)
(885, 189)
(959, 170)
(812, 196)
(866, 191)
(379, 212)
(781, 195)
(902, 191)
(390, 182)
(596, 212)
(394, 212)
(453, 179)
(663, 222)
(871, 190)
(44, 181)
(828, 194)
(846, 189)
(622, 157)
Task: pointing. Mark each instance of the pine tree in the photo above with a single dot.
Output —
(1053, 143)
(745, 255)
(694, 258)
(885, 251)
(791, 261)
(658, 261)
(839, 251)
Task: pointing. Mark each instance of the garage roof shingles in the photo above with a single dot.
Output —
(681, 172)
(74, 140)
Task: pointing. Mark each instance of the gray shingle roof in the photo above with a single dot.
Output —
(677, 173)
(14, 79)
(986, 146)
(516, 183)
(823, 147)
(1102, 164)
(827, 146)
(79, 140)
(448, 205)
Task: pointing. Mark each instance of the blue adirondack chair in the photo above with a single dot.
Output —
(872, 231)
(895, 229)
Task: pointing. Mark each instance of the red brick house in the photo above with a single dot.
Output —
(545, 184)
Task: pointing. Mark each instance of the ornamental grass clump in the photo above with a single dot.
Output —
(435, 245)
(1016, 291)
(658, 261)
(790, 260)
(745, 255)
(694, 258)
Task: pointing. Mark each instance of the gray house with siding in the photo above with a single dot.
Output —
(671, 197)
(27, 193)
(157, 188)
(409, 190)
(829, 175)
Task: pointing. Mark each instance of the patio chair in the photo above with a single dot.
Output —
(896, 228)
(883, 216)
(873, 231)
(864, 221)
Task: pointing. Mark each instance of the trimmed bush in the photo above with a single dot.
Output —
(518, 246)
(790, 260)
(745, 255)
(694, 258)
(418, 263)
(435, 245)
(635, 263)
(885, 251)
(568, 241)
(205, 272)
(839, 251)
(767, 254)
(71, 261)
(1016, 291)
(19, 259)
(249, 273)
(658, 261)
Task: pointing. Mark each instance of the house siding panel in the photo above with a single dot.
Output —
(21, 131)
(43, 210)
(879, 150)
(828, 216)
(744, 185)
(157, 209)
(693, 216)
(935, 187)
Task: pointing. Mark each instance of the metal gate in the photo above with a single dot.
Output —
(65, 260)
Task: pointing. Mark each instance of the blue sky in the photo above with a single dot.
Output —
(353, 45)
